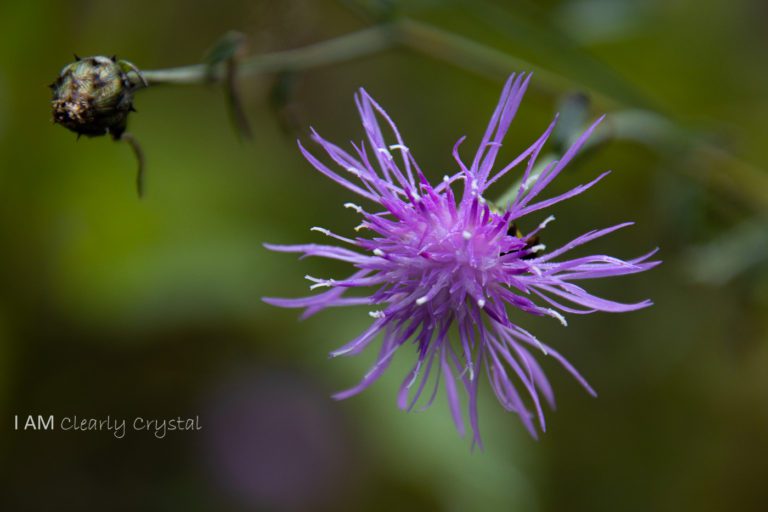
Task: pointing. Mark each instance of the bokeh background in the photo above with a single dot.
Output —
(113, 306)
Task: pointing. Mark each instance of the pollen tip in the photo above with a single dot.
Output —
(320, 283)
(466, 234)
(353, 206)
(378, 252)
(421, 300)
(481, 302)
(320, 230)
(540, 345)
(546, 221)
(558, 316)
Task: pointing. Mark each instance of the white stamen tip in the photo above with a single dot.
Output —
(446, 179)
(546, 221)
(386, 152)
(353, 206)
(421, 301)
(470, 369)
(354, 171)
(540, 345)
(320, 230)
(376, 314)
(538, 248)
(319, 283)
(466, 234)
(557, 315)
(399, 146)
(323, 284)
(481, 200)
(481, 302)
(378, 252)
(361, 226)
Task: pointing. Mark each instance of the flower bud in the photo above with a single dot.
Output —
(94, 95)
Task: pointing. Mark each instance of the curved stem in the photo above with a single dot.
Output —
(139, 154)
(746, 182)
(340, 49)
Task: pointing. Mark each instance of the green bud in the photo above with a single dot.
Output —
(94, 96)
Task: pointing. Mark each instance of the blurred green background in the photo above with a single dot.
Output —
(114, 306)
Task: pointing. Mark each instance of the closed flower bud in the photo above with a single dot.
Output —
(94, 95)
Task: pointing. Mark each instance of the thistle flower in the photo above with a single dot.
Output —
(440, 258)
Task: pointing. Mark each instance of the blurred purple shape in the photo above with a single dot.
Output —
(275, 442)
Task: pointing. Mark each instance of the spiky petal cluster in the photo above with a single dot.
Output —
(439, 260)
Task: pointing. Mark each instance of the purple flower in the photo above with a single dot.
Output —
(439, 258)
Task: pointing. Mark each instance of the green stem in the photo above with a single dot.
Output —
(348, 47)
(747, 183)
(471, 55)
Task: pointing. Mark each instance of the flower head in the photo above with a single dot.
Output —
(450, 273)
(94, 95)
